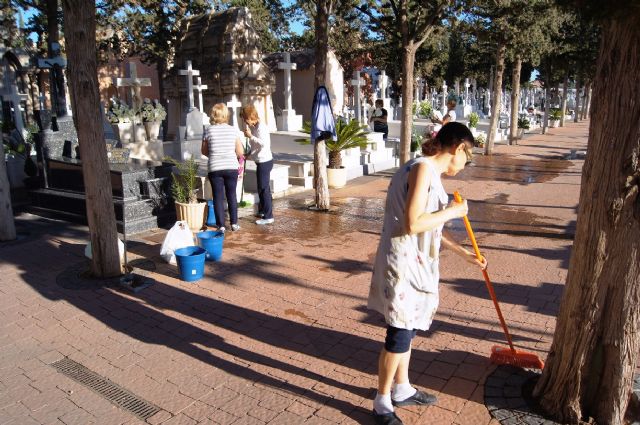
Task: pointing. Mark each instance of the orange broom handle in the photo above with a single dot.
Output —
(467, 225)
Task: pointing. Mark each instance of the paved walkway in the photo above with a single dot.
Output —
(278, 332)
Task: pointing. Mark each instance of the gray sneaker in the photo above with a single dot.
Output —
(264, 221)
(235, 227)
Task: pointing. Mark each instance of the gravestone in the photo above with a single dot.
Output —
(357, 83)
(234, 105)
(13, 99)
(199, 87)
(444, 98)
(134, 83)
(383, 82)
(225, 48)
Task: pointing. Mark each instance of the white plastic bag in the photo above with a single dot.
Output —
(89, 255)
(179, 236)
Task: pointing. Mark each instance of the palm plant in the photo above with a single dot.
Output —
(350, 134)
(184, 181)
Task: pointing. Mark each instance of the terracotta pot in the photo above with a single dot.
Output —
(336, 177)
(193, 214)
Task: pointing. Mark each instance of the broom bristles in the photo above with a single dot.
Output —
(504, 355)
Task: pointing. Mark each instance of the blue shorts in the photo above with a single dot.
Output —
(398, 340)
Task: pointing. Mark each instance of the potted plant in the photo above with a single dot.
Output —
(121, 118)
(350, 135)
(424, 109)
(555, 115)
(20, 164)
(474, 119)
(184, 182)
(523, 124)
(152, 115)
(416, 142)
(480, 140)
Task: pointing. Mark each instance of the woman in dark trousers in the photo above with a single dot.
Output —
(258, 136)
(225, 147)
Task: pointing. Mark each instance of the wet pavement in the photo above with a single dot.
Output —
(278, 331)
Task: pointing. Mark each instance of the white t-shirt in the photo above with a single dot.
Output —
(452, 115)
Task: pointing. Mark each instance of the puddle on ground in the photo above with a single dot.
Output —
(500, 167)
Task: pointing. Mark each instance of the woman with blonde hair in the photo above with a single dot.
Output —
(257, 134)
(222, 143)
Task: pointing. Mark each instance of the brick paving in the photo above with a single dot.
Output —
(278, 332)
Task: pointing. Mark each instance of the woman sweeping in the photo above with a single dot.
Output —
(404, 284)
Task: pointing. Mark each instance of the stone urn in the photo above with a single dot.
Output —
(153, 129)
(336, 177)
(140, 134)
(192, 213)
(124, 130)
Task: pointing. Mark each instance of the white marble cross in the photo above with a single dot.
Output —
(444, 97)
(134, 83)
(190, 73)
(233, 104)
(382, 81)
(287, 66)
(357, 83)
(199, 87)
(466, 91)
(16, 97)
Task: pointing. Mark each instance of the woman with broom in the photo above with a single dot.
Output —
(404, 284)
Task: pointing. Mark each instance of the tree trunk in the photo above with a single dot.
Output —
(7, 225)
(323, 198)
(496, 97)
(406, 120)
(80, 35)
(563, 105)
(515, 100)
(593, 357)
(162, 74)
(576, 115)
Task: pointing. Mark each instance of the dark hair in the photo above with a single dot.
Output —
(449, 136)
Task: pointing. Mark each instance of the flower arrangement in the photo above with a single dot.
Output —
(480, 140)
(152, 111)
(119, 112)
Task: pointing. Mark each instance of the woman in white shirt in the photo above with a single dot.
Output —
(224, 149)
(257, 134)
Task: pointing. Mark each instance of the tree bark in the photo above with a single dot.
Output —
(496, 99)
(80, 35)
(563, 105)
(593, 356)
(545, 117)
(515, 100)
(323, 197)
(586, 100)
(7, 224)
(576, 115)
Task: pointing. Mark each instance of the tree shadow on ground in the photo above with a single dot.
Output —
(150, 316)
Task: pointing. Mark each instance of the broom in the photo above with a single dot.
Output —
(501, 355)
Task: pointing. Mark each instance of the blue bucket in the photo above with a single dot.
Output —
(190, 261)
(211, 214)
(212, 242)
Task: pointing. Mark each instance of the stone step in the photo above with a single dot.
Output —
(306, 182)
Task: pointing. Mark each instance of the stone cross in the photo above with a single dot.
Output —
(382, 81)
(134, 83)
(190, 73)
(357, 83)
(55, 65)
(233, 104)
(417, 94)
(466, 91)
(287, 66)
(199, 87)
(444, 97)
(15, 98)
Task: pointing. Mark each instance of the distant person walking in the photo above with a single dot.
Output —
(257, 134)
(404, 284)
(224, 147)
(450, 116)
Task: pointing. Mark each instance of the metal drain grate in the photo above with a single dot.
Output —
(112, 392)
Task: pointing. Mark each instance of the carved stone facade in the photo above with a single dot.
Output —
(225, 48)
